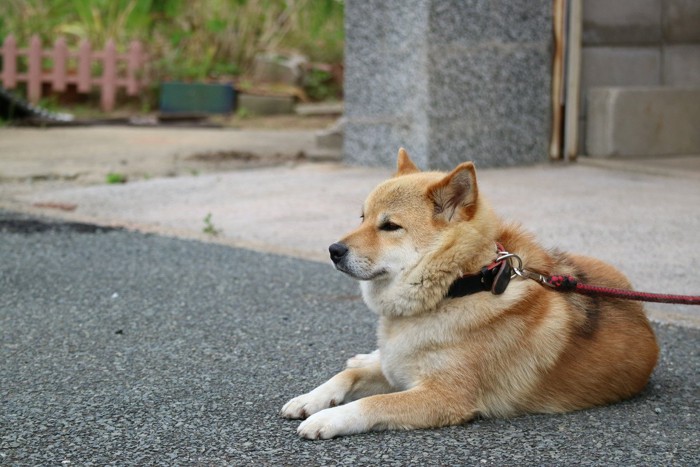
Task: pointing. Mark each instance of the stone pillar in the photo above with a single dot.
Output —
(386, 80)
(450, 80)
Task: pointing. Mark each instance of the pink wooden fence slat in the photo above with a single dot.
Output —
(84, 79)
(9, 60)
(34, 71)
(109, 76)
(60, 59)
(59, 75)
(133, 63)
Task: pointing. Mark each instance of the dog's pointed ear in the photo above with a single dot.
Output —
(454, 197)
(404, 164)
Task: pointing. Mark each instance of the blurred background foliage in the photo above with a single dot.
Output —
(187, 39)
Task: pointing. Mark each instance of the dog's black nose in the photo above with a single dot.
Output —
(337, 250)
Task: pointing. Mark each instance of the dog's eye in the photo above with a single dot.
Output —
(389, 227)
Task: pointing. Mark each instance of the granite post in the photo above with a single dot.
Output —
(449, 80)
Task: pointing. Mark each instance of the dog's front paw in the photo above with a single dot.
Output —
(322, 397)
(329, 423)
(300, 407)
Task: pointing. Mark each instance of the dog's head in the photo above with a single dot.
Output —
(405, 218)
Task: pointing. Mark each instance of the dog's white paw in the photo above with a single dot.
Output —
(301, 407)
(323, 397)
(329, 423)
(363, 359)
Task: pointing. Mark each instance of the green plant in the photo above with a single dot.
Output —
(93, 20)
(319, 32)
(101, 20)
(49, 103)
(242, 113)
(318, 85)
(209, 228)
(115, 177)
(186, 40)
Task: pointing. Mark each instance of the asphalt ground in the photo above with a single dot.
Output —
(123, 348)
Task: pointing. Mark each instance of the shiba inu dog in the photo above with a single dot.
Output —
(452, 347)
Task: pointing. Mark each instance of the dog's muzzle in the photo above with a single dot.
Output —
(358, 268)
(338, 252)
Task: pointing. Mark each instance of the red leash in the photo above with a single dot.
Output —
(570, 284)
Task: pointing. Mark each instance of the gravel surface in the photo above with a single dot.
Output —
(121, 348)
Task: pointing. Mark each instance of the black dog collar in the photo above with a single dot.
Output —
(494, 277)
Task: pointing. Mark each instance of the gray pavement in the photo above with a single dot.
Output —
(86, 155)
(123, 348)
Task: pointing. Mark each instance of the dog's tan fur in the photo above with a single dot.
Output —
(443, 361)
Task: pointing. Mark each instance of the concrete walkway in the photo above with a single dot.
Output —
(87, 154)
(642, 219)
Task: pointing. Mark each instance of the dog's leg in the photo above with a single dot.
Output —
(420, 407)
(363, 359)
(346, 386)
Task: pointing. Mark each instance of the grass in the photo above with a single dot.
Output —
(209, 227)
(114, 178)
(242, 113)
(188, 40)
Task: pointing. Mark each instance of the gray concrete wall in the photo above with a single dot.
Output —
(638, 43)
(643, 121)
(450, 80)
(489, 87)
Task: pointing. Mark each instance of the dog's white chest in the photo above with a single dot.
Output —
(405, 353)
(396, 370)
(397, 367)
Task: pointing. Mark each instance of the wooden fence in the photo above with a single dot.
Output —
(118, 70)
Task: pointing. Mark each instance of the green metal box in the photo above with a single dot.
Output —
(176, 97)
